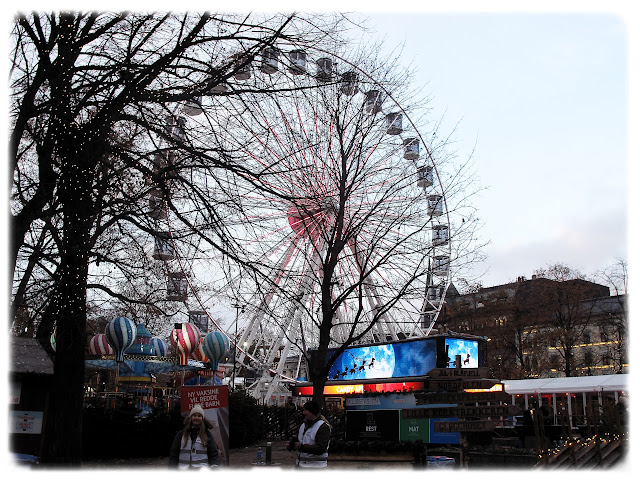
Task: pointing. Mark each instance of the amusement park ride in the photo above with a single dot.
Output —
(294, 139)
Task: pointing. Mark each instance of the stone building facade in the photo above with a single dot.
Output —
(544, 328)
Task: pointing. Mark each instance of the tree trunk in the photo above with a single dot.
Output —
(64, 427)
(69, 311)
(316, 374)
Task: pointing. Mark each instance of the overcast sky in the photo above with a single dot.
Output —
(542, 97)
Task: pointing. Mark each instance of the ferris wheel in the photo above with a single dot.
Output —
(346, 179)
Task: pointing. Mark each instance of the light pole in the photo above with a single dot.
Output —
(240, 308)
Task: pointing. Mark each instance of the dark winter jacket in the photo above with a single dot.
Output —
(180, 455)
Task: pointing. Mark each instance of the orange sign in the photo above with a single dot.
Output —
(339, 389)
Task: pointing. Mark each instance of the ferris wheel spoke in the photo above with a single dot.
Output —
(271, 233)
(283, 188)
(303, 164)
(408, 270)
(324, 161)
(296, 166)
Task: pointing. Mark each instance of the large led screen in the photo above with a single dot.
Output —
(406, 359)
(467, 349)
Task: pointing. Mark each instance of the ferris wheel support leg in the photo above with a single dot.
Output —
(275, 347)
(372, 305)
(292, 327)
(276, 380)
(297, 375)
(382, 321)
(370, 293)
(249, 333)
(301, 294)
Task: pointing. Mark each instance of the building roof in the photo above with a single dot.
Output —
(613, 305)
(596, 290)
(28, 356)
(605, 383)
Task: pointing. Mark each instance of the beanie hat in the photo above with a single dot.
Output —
(197, 408)
(312, 407)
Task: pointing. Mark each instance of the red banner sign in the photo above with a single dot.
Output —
(207, 396)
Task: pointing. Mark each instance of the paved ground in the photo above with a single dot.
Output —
(245, 458)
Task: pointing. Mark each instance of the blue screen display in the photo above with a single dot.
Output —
(407, 359)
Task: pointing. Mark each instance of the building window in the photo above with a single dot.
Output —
(534, 363)
(588, 358)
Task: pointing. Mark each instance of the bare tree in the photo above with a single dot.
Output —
(566, 308)
(613, 322)
(616, 276)
(97, 131)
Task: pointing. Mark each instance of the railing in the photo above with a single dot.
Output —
(282, 423)
(142, 396)
(600, 438)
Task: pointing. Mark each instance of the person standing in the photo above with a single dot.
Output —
(194, 446)
(312, 443)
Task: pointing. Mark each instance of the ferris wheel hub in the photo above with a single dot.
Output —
(310, 216)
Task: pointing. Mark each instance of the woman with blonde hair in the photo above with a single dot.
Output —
(194, 446)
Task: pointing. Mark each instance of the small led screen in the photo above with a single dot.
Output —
(467, 349)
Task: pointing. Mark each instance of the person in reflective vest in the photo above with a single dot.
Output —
(194, 446)
(312, 443)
